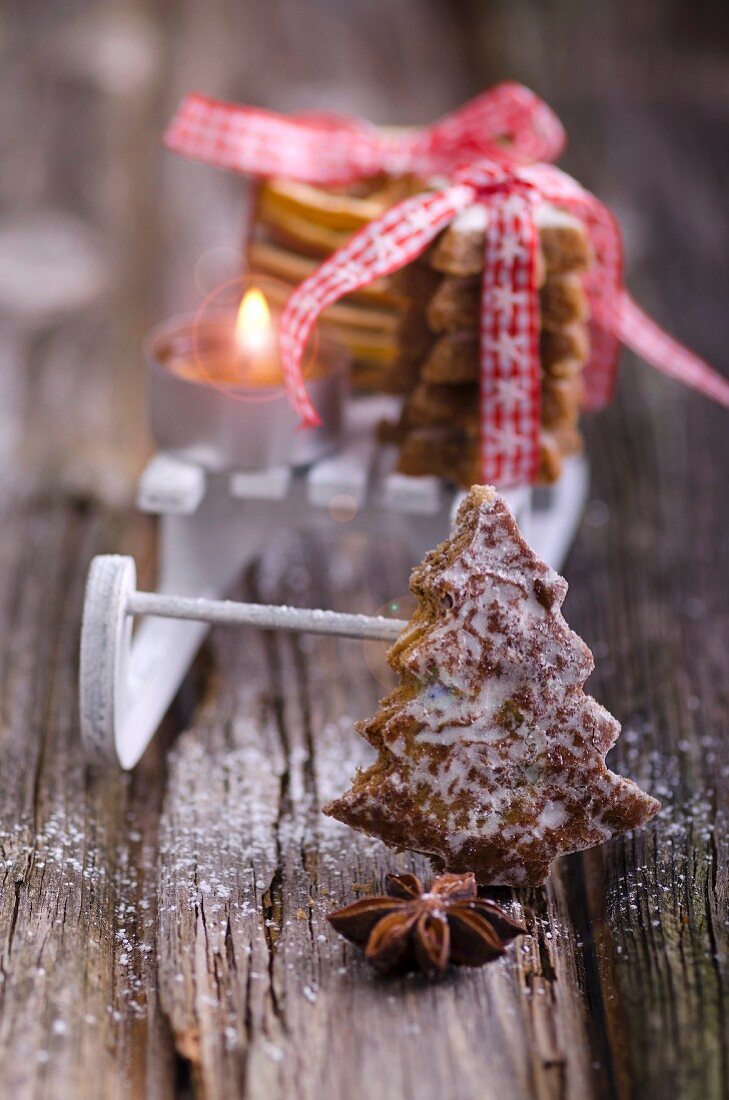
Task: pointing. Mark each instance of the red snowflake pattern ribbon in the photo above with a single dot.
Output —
(508, 122)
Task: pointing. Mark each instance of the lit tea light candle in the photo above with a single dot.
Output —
(253, 328)
(223, 352)
(218, 397)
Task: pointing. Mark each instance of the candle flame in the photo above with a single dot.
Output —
(253, 328)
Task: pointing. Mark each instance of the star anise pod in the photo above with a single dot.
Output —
(412, 927)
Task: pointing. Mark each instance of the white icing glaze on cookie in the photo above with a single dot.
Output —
(491, 755)
(475, 219)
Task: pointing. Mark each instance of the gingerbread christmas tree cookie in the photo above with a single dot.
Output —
(490, 754)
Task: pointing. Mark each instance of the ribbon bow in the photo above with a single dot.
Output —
(509, 334)
(487, 149)
(508, 122)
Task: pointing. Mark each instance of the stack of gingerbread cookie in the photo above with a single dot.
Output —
(296, 226)
(415, 333)
(438, 431)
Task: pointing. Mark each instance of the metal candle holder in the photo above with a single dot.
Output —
(238, 426)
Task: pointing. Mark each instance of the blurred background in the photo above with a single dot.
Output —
(102, 233)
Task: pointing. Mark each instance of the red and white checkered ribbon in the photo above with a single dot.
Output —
(511, 127)
(509, 337)
(508, 122)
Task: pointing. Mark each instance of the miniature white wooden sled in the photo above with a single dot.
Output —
(213, 525)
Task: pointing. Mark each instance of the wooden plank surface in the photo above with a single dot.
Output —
(164, 934)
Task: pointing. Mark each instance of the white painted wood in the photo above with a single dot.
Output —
(169, 485)
(211, 529)
(126, 686)
(271, 484)
(265, 616)
(550, 529)
(105, 644)
(413, 495)
(365, 413)
(346, 475)
(395, 492)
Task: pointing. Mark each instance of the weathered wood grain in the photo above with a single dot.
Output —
(261, 994)
(77, 853)
(165, 934)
